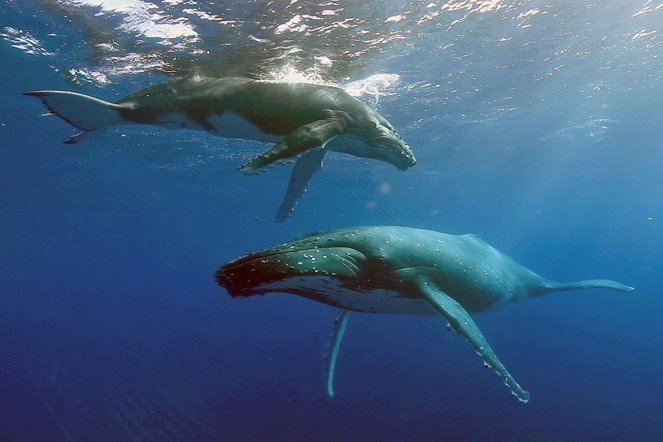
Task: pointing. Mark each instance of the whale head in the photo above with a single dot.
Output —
(372, 136)
(386, 145)
(290, 265)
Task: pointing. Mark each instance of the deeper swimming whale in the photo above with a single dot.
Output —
(391, 269)
(303, 120)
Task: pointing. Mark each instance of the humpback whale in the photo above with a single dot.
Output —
(304, 120)
(391, 269)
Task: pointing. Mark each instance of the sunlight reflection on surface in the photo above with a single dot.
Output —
(141, 18)
(454, 60)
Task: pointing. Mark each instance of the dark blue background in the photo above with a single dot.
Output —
(112, 327)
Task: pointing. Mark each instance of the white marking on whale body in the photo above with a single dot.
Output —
(232, 125)
(330, 291)
(227, 125)
(176, 120)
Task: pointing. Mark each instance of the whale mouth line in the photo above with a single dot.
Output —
(415, 267)
(274, 251)
(382, 148)
(256, 274)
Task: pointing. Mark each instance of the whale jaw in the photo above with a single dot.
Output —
(263, 271)
(375, 141)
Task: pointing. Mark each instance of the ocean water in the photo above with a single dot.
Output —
(536, 124)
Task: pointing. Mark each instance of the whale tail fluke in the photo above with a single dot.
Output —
(551, 286)
(82, 111)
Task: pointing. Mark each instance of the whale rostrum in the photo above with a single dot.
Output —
(303, 120)
(392, 269)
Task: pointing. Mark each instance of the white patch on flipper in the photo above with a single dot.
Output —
(330, 291)
(232, 125)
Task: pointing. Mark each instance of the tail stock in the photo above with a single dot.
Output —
(82, 111)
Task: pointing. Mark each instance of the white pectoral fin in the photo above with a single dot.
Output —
(463, 324)
(340, 323)
(309, 163)
(297, 142)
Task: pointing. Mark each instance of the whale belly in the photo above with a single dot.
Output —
(232, 125)
(332, 292)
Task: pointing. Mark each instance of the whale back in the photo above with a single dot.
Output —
(274, 107)
(466, 267)
(474, 273)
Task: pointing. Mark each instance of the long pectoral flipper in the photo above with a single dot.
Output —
(297, 142)
(331, 355)
(463, 324)
(309, 163)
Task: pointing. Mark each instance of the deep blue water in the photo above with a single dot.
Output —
(536, 124)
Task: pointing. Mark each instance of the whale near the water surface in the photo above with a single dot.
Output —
(393, 269)
(303, 120)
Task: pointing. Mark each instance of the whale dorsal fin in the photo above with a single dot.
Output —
(309, 163)
(477, 236)
(332, 350)
(463, 324)
(297, 142)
